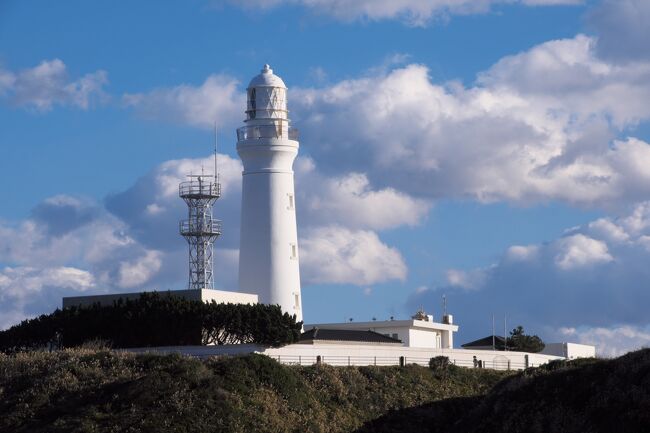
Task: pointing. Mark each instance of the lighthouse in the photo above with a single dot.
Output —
(267, 146)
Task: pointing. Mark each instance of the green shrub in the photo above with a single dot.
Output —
(439, 363)
(154, 320)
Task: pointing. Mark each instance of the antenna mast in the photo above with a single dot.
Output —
(216, 171)
(200, 229)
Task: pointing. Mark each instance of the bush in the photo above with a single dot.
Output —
(154, 320)
(439, 363)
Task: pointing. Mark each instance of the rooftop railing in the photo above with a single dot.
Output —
(200, 227)
(200, 189)
(256, 132)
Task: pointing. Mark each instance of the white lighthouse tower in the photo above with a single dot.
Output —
(267, 146)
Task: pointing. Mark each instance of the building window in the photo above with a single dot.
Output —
(297, 300)
(395, 336)
(291, 204)
(294, 251)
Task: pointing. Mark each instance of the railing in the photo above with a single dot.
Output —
(194, 188)
(255, 132)
(201, 227)
(336, 360)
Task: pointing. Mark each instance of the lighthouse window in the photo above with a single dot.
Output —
(290, 207)
(294, 251)
(297, 300)
(251, 100)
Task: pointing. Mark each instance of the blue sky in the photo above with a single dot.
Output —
(491, 151)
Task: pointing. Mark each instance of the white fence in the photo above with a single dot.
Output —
(364, 355)
(496, 363)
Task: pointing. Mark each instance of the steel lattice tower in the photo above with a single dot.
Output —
(200, 229)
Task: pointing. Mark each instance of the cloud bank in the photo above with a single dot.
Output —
(592, 284)
(42, 87)
(411, 12)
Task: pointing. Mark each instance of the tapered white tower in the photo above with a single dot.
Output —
(267, 146)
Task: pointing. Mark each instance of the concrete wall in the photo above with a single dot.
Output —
(570, 350)
(205, 295)
(413, 333)
(352, 354)
(424, 338)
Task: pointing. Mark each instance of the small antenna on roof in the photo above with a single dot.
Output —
(215, 151)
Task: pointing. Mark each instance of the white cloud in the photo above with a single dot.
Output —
(579, 251)
(23, 282)
(412, 12)
(595, 276)
(48, 84)
(522, 253)
(609, 341)
(349, 200)
(622, 26)
(472, 280)
(139, 271)
(529, 131)
(216, 100)
(337, 255)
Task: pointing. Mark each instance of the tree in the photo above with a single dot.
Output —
(520, 342)
(155, 319)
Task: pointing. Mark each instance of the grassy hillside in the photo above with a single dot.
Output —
(579, 396)
(93, 391)
(103, 391)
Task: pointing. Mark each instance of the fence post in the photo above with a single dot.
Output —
(348, 361)
(402, 361)
(319, 360)
(526, 360)
(508, 364)
(375, 361)
(299, 360)
(279, 360)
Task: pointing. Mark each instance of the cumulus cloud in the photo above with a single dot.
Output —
(48, 84)
(471, 280)
(609, 341)
(350, 200)
(622, 26)
(135, 273)
(537, 126)
(217, 99)
(412, 12)
(338, 255)
(580, 251)
(593, 278)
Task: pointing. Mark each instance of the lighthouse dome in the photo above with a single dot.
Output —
(266, 79)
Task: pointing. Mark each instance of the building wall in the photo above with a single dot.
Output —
(413, 333)
(355, 354)
(206, 295)
(424, 338)
(570, 350)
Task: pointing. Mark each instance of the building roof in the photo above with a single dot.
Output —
(316, 334)
(499, 342)
(266, 79)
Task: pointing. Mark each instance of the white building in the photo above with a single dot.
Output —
(414, 332)
(267, 146)
(570, 350)
(205, 295)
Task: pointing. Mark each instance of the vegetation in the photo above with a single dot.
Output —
(154, 320)
(102, 391)
(91, 390)
(584, 395)
(520, 342)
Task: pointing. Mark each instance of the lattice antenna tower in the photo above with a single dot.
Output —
(200, 229)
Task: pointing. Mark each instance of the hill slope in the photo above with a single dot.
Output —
(103, 391)
(579, 396)
(93, 391)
